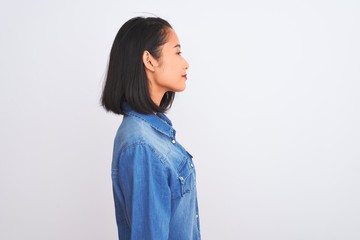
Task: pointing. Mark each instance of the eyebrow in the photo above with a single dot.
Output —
(177, 45)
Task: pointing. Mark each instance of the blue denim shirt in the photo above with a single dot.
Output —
(154, 181)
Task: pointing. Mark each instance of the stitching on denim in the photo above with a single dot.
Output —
(141, 142)
(145, 120)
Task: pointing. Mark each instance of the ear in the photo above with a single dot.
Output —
(149, 61)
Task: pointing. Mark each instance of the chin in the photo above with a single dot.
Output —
(181, 89)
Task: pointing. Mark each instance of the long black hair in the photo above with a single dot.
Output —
(126, 79)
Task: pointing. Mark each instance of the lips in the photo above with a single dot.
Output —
(184, 76)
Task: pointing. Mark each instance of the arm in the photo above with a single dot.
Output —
(144, 183)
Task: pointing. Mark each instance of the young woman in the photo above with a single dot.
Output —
(153, 175)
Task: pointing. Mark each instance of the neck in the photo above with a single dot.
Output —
(156, 97)
(156, 91)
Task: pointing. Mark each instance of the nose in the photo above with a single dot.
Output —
(186, 64)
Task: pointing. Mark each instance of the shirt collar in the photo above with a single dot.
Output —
(158, 121)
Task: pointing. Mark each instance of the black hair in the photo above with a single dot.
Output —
(126, 79)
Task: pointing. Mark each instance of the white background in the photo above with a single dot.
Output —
(271, 114)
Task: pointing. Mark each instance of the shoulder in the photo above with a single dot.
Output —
(132, 130)
(141, 151)
(134, 133)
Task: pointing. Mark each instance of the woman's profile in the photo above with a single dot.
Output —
(153, 176)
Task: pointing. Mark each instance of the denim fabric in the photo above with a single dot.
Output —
(154, 182)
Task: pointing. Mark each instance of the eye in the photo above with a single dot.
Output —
(178, 53)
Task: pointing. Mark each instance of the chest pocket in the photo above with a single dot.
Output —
(186, 176)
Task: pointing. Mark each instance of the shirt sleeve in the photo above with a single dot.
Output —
(144, 183)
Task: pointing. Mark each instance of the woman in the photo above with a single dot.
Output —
(153, 175)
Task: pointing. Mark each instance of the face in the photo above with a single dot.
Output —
(170, 72)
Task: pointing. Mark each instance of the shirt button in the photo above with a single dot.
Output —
(181, 180)
(173, 141)
(197, 216)
(191, 165)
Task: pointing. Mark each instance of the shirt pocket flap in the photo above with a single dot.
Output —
(186, 176)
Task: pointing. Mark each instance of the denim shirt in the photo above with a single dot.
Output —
(154, 182)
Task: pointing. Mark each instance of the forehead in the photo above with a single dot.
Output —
(172, 38)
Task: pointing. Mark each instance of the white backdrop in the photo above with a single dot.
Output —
(271, 114)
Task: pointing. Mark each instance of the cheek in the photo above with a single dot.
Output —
(167, 69)
(170, 70)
